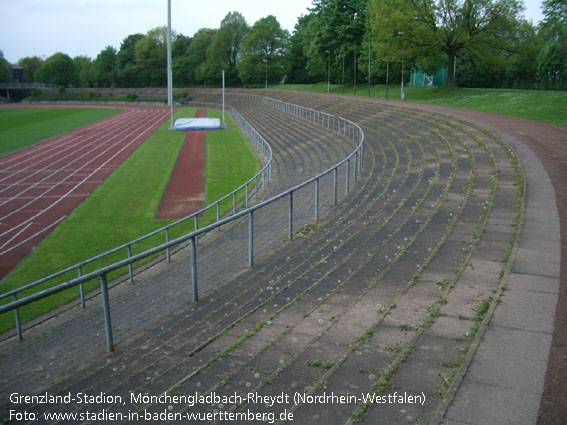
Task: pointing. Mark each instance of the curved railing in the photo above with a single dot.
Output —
(342, 126)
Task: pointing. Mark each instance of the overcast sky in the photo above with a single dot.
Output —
(85, 27)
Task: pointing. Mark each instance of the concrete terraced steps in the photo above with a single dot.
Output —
(383, 296)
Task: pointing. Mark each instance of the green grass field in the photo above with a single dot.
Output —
(544, 106)
(124, 208)
(21, 128)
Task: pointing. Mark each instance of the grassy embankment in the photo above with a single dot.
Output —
(544, 106)
(124, 208)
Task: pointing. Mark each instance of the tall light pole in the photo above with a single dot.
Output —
(266, 62)
(329, 72)
(388, 72)
(369, 42)
(343, 69)
(403, 95)
(354, 76)
(169, 71)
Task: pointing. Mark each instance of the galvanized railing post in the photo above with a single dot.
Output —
(81, 288)
(130, 267)
(17, 320)
(316, 200)
(196, 226)
(167, 251)
(218, 213)
(233, 203)
(194, 268)
(246, 195)
(106, 312)
(335, 184)
(355, 166)
(251, 239)
(347, 175)
(290, 219)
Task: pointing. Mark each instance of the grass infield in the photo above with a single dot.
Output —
(538, 105)
(21, 128)
(124, 208)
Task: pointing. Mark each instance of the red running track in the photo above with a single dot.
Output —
(186, 191)
(41, 185)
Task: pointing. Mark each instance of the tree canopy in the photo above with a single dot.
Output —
(225, 48)
(264, 52)
(429, 27)
(58, 69)
(552, 60)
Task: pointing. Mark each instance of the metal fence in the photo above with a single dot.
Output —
(339, 125)
(27, 86)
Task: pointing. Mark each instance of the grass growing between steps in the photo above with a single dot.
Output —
(21, 128)
(124, 208)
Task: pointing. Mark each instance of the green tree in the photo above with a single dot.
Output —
(511, 67)
(57, 69)
(555, 12)
(126, 75)
(264, 52)
(83, 68)
(427, 27)
(5, 70)
(151, 57)
(194, 61)
(180, 50)
(104, 67)
(224, 51)
(522, 69)
(31, 64)
(552, 60)
(337, 27)
(296, 56)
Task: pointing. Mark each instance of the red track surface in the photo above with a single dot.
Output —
(41, 185)
(186, 191)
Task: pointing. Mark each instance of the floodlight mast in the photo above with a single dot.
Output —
(169, 71)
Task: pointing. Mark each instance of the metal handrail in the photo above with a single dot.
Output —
(355, 133)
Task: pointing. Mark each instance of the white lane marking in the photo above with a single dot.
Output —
(55, 223)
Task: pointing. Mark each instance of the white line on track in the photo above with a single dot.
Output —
(69, 192)
(57, 144)
(93, 145)
(36, 234)
(65, 143)
(16, 235)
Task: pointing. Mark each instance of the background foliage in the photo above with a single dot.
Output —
(486, 43)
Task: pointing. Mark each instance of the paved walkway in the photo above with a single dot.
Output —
(503, 380)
